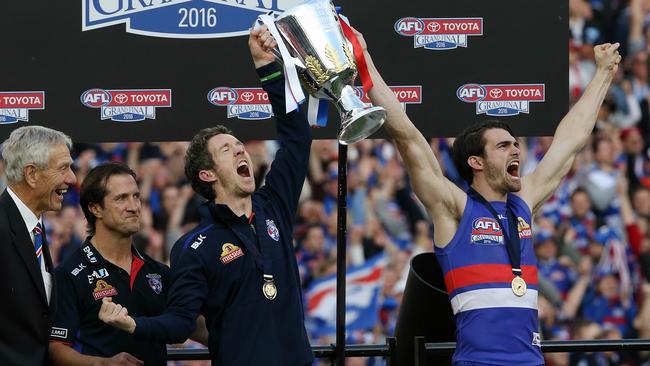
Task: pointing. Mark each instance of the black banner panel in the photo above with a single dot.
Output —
(159, 70)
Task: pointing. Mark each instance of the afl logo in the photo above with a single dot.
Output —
(409, 26)
(96, 98)
(487, 226)
(223, 96)
(471, 93)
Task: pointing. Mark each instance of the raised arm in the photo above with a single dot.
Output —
(443, 200)
(289, 168)
(573, 131)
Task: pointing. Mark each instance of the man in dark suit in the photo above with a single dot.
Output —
(38, 170)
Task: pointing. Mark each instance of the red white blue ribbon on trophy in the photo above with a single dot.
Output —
(317, 112)
(362, 66)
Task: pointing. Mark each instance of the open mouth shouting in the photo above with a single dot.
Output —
(243, 169)
(513, 169)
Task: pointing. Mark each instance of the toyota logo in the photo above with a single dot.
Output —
(247, 96)
(433, 27)
(496, 93)
(121, 98)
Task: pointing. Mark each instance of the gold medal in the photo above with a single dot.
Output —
(518, 286)
(269, 290)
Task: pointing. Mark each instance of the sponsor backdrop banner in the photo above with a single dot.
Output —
(155, 70)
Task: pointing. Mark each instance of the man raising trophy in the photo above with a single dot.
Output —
(237, 267)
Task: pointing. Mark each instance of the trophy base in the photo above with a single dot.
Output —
(361, 125)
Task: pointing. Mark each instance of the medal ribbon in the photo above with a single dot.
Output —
(513, 243)
(262, 256)
(263, 261)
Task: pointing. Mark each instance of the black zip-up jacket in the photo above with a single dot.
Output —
(218, 268)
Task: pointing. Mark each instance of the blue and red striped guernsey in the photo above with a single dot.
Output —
(494, 326)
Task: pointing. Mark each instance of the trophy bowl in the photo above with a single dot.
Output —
(327, 67)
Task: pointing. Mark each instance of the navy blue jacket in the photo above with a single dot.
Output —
(217, 268)
(84, 279)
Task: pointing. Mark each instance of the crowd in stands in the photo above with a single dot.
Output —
(592, 237)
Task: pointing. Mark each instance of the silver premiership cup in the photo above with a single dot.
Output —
(313, 35)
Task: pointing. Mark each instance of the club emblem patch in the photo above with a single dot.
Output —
(272, 230)
(230, 252)
(103, 289)
(155, 283)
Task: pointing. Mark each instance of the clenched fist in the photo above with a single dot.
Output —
(116, 315)
(607, 57)
(261, 44)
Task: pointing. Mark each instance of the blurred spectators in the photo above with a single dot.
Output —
(592, 237)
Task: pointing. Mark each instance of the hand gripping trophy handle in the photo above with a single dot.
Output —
(326, 65)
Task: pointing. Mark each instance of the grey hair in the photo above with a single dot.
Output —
(30, 145)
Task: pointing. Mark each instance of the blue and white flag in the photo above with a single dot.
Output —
(363, 289)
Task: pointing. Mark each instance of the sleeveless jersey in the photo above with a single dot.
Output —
(493, 325)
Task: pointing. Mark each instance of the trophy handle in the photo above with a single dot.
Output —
(276, 51)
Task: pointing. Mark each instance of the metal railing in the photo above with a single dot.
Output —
(423, 349)
(324, 351)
